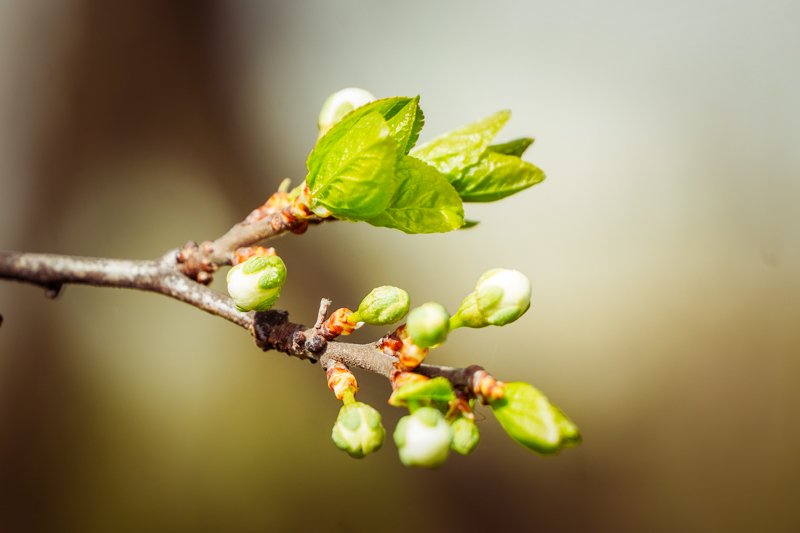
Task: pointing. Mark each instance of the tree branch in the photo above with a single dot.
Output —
(271, 329)
(199, 262)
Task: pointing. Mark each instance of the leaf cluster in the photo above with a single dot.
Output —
(366, 168)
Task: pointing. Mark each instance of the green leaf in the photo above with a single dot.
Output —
(470, 224)
(424, 201)
(423, 392)
(516, 147)
(355, 178)
(496, 176)
(386, 107)
(405, 126)
(528, 418)
(462, 147)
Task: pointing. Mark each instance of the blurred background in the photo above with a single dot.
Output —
(663, 250)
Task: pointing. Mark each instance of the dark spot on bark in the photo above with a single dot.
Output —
(316, 344)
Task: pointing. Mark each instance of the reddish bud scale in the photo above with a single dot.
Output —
(400, 378)
(460, 406)
(297, 213)
(243, 254)
(410, 355)
(486, 386)
(299, 206)
(291, 222)
(341, 380)
(194, 262)
(339, 323)
(274, 203)
(390, 344)
(399, 344)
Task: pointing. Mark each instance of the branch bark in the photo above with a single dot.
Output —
(271, 330)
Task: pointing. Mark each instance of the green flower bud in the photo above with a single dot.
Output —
(256, 283)
(383, 305)
(465, 435)
(570, 434)
(500, 297)
(358, 429)
(339, 104)
(428, 324)
(530, 419)
(423, 438)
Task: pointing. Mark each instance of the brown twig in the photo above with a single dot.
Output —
(271, 330)
(200, 261)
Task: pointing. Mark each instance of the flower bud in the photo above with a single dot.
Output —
(530, 419)
(339, 104)
(570, 434)
(465, 435)
(256, 283)
(428, 324)
(383, 305)
(423, 438)
(358, 429)
(500, 297)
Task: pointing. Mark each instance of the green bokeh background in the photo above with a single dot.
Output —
(663, 251)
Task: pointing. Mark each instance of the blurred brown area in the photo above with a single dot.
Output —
(663, 249)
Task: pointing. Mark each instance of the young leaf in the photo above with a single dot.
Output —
(462, 147)
(496, 176)
(528, 418)
(424, 201)
(405, 126)
(386, 107)
(355, 178)
(516, 147)
(423, 392)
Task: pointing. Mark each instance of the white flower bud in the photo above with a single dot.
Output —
(358, 429)
(423, 438)
(501, 296)
(339, 104)
(256, 283)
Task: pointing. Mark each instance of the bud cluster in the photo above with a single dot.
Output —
(441, 417)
